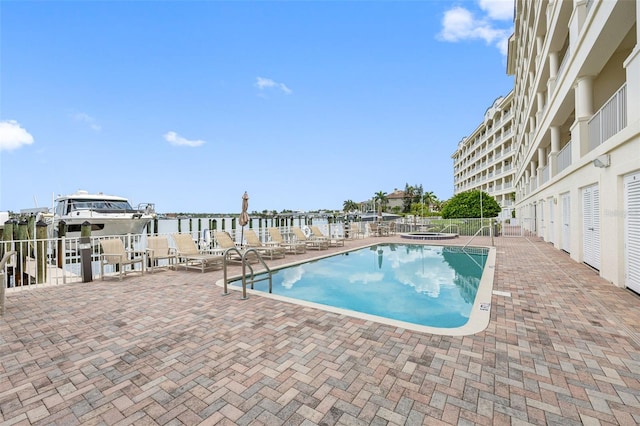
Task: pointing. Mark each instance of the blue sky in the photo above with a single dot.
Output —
(188, 104)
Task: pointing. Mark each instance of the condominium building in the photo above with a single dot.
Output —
(576, 122)
(484, 159)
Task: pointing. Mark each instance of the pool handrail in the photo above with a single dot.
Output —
(478, 231)
(245, 263)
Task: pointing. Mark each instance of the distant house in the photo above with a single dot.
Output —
(396, 199)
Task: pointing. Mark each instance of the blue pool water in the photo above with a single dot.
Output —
(426, 285)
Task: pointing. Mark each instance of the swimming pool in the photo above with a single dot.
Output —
(437, 289)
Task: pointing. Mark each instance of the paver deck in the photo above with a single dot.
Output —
(168, 348)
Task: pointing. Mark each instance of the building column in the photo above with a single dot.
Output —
(555, 150)
(578, 16)
(534, 176)
(583, 91)
(554, 64)
(541, 163)
(539, 44)
(553, 73)
(540, 105)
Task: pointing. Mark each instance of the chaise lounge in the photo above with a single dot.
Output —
(273, 251)
(314, 244)
(190, 257)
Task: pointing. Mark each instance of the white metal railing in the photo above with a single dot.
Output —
(565, 59)
(56, 261)
(564, 157)
(545, 174)
(610, 119)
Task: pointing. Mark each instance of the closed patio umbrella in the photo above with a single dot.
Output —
(244, 216)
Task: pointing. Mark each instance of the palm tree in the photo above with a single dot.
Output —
(381, 198)
(409, 193)
(429, 198)
(349, 206)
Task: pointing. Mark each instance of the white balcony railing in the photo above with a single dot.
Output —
(610, 119)
(545, 174)
(565, 59)
(564, 157)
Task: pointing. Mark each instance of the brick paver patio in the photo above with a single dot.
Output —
(168, 348)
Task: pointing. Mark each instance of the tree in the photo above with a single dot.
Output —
(381, 198)
(349, 206)
(429, 198)
(417, 194)
(407, 200)
(467, 205)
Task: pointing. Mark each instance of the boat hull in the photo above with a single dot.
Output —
(127, 224)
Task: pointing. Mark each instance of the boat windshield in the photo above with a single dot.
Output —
(114, 205)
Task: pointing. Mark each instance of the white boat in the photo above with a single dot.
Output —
(107, 214)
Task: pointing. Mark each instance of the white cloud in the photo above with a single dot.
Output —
(498, 9)
(267, 83)
(175, 139)
(460, 24)
(13, 136)
(86, 118)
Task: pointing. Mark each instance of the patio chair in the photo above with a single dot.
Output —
(190, 257)
(225, 242)
(355, 231)
(158, 249)
(333, 241)
(314, 244)
(114, 253)
(294, 247)
(392, 228)
(272, 251)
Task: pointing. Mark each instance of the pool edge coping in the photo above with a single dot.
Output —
(479, 316)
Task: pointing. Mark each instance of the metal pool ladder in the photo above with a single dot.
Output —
(252, 277)
(490, 227)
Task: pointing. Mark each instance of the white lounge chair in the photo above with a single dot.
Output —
(225, 242)
(333, 241)
(190, 257)
(294, 247)
(315, 244)
(271, 251)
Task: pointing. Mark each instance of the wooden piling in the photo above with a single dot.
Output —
(41, 251)
(22, 248)
(85, 251)
(7, 236)
(62, 232)
(85, 229)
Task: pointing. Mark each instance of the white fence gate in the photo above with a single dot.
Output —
(510, 228)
